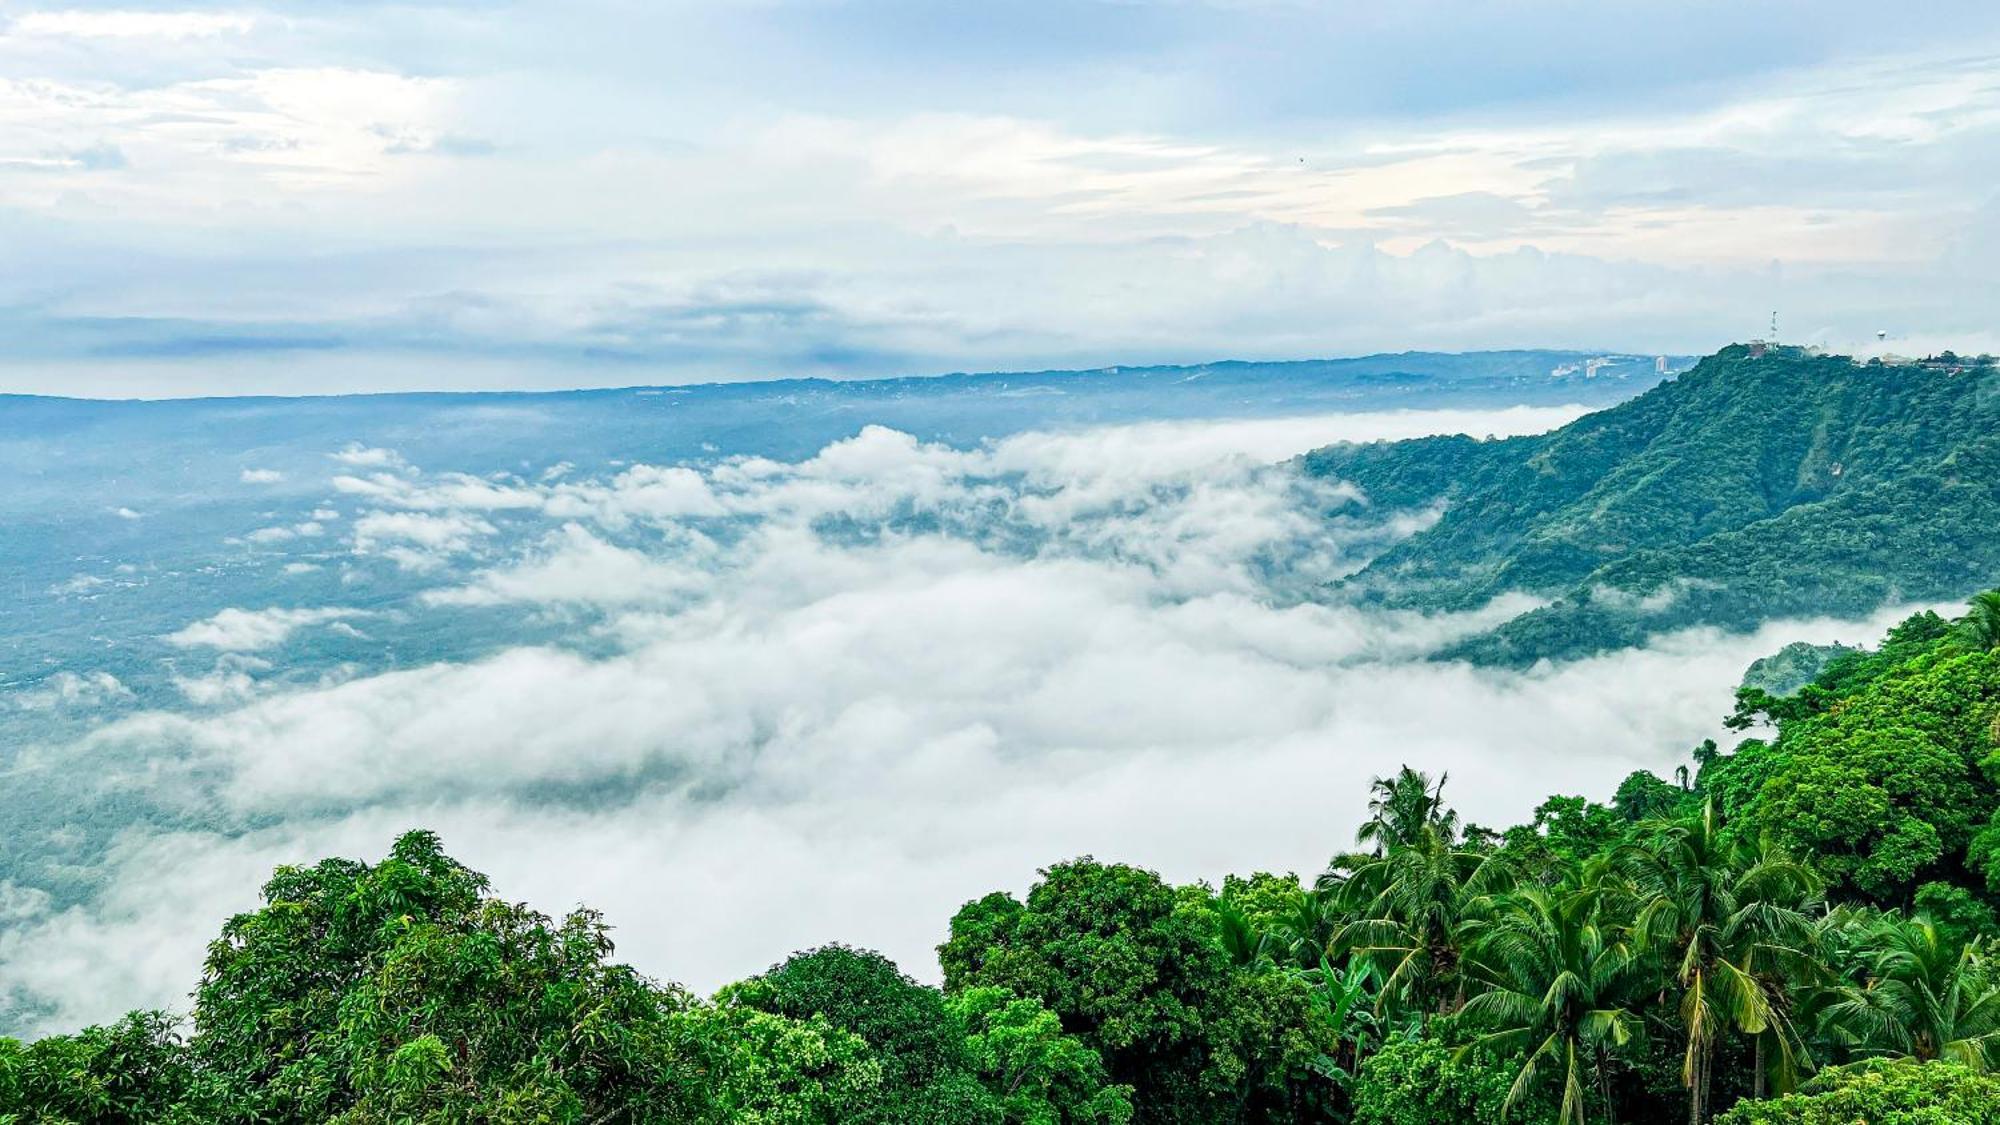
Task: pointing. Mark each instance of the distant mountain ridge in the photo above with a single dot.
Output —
(1497, 368)
(1762, 483)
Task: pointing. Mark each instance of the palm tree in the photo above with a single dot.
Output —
(1554, 980)
(1241, 938)
(1929, 998)
(1400, 808)
(1302, 932)
(1980, 627)
(1407, 905)
(1731, 923)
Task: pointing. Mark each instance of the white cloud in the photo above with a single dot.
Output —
(306, 530)
(446, 490)
(261, 476)
(66, 690)
(417, 540)
(368, 457)
(232, 680)
(77, 584)
(575, 566)
(250, 630)
(869, 815)
(895, 676)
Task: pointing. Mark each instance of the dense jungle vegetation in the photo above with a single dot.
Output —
(1761, 484)
(1796, 930)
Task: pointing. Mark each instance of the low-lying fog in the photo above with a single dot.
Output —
(794, 703)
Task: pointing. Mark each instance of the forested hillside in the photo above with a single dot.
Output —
(1760, 484)
(1797, 930)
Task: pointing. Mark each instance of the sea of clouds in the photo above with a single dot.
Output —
(833, 699)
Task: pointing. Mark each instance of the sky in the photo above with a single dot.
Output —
(324, 197)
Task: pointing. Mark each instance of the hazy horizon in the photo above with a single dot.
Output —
(865, 377)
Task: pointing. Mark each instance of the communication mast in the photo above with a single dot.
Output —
(1759, 346)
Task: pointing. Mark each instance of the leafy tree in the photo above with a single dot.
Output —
(1960, 914)
(402, 992)
(1565, 832)
(1418, 1081)
(921, 1047)
(1138, 972)
(1881, 1093)
(1887, 789)
(135, 1072)
(267, 1012)
(511, 1017)
(1039, 1074)
(768, 1070)
(1644, 796)
(1295, 924)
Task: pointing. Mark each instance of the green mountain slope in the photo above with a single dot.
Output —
(1753, 486)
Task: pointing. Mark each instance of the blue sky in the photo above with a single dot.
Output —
(359, 196)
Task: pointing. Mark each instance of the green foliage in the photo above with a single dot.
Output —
(1980, 627)
(135, 1071)
(763, 1069)
(1138, 972)
(511, 1018)
(1790, 668)
(402, 992)
(1424, 1082)
(1881, 1094)
(1643, 796)
(1040, 1074)
(920, 1045)
(1554, 993)
(1926, 996)
(1406, 900)
(1755, 486)
(268, 1008)
(1567, 830)
(1885, 775)
(1731, 919)
(1960, 915)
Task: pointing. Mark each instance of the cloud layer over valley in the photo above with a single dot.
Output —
(750, 705)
